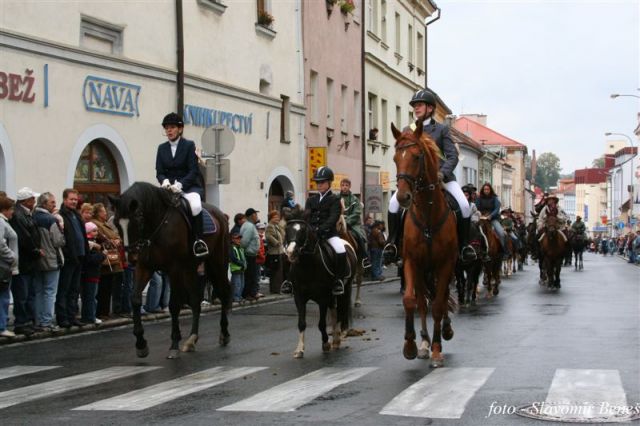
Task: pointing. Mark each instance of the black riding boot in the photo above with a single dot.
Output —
(390, 251)
(340, 272)
(467, 253)
(200, 248)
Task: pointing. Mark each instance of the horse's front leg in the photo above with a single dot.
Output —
(322, 325)
(335, 327)
(438, 311)
(195, 299)
(425, 343)
(410, 350)
(301, 307)
(174, 308)
(141, 278)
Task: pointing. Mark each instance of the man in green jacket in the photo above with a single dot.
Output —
(353, 217)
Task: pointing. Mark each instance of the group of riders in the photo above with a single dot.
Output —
(177, 170)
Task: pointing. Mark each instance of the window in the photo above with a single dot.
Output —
(420, 58)
(264, 16)
(372, 111)
(313, 95)
(410, 44)
(344, 119)
(357, 108)
(397, 25)
(285, 115)
(398, 117)
(384, 137)
(96, 174)
(330, 98)
(216, 5)
(383, 21)
(100, 36)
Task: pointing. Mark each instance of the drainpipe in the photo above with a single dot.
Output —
(180, 57)
(426, 43)
(363, 134)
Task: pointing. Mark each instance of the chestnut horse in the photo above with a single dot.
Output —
(430, 245)
(552, 250)
(492, 268)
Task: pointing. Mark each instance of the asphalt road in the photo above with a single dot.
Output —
(526, 346)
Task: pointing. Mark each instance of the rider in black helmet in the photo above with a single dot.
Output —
(323, 210)
(177, 169)
(424, 106)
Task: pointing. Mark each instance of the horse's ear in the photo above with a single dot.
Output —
(396, 133)
(418, 131)
(115, 201)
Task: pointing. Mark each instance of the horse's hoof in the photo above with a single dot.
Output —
(496, 291)
(357, 304)
(423, 354)
(190, 344)
(173, 354)
(224, 340)
(447, 333)
(326, 347)
(437, 362)
(335, 345)
(142, 353)
(410, 350)
(298, 354)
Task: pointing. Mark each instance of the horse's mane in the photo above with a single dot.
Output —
(150, 197)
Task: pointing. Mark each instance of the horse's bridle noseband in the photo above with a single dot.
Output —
(416, 184)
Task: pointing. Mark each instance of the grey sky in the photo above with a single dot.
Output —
(542, 71)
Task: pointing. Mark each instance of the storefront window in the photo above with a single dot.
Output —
(96, 174)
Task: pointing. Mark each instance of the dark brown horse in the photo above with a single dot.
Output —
(156, 236)
(552, 250)
(430, 245)
(492, 268)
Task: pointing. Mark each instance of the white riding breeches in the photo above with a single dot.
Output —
(338, 244)
(452, 188)
(194, 202)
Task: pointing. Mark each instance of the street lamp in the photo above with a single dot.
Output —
(621, 134)
(615, 95)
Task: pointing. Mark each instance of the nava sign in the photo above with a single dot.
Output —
(110, 96)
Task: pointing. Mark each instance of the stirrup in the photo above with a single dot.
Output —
(389, 253)
(286, 287)
(200, 248)
(366, 263)
(338, 288)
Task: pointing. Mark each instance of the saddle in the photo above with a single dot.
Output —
(186, 208)
(453, 205)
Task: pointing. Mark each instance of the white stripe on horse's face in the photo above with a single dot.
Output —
(124, 225)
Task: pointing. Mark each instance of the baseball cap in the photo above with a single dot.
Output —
(26, 193)
(251, 211)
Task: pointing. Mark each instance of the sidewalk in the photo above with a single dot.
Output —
(389, 274)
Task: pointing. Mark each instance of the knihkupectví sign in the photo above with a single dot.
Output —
(207, 117)
(110, 96)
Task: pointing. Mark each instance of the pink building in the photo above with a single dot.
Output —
(332, 40)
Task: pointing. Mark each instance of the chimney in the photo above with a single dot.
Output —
(534, 166)
(478, 118)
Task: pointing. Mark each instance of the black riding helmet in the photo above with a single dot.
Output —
(172, 119)
(323, 173)
(425, 96)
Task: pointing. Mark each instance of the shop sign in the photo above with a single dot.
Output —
(110, 96)
(385, 181)
(16, 87)
(316, 158)
(207, 117)
(373, 202)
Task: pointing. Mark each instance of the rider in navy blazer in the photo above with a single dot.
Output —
(180, 172)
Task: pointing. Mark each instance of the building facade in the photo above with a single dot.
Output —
(95, 83)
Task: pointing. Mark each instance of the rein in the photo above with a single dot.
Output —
(146, 243)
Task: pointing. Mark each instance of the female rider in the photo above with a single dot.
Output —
(489, 206)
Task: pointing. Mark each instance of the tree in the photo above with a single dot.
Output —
(548, 170)
(598, 163)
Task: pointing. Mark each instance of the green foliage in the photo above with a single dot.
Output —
(547, 170)
(598, 162)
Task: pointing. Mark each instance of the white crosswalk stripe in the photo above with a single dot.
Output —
(166, 391)
(293, 394)
(19, 370)
(589, 390)
(54, 387)
(442, 394)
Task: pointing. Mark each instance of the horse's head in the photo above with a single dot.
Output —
(296, 235)
(132, 217)
(551, 225)
(416, 163)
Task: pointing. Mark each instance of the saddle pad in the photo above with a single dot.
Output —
(208, 225)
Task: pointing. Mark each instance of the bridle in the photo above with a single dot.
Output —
(306, 234)
(419, 183)
(143, 244)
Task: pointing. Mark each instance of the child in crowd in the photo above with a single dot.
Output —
(237, 264)
(91, 276)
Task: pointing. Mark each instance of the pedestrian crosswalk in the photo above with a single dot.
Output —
(441, 394)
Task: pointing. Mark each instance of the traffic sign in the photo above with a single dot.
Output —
(217, 141)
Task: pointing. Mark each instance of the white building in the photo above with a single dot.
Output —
(395, 67)
(87, 92)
